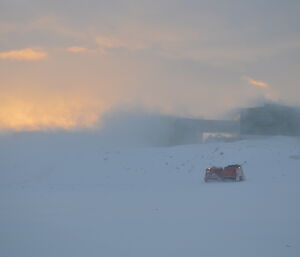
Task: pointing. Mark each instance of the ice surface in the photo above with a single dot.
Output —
(77, 199)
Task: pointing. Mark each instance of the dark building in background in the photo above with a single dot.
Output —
(190, 131)
(270, 119)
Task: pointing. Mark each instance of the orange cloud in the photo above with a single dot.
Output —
(31, 111)
(82, 49)
(77, 49)
(256, 83)
(27, 54)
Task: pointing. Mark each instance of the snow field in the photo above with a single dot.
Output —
(79, 199)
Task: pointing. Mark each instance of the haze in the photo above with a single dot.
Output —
(113, 112)
(63, 65)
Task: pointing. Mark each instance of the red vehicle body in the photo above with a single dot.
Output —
(231, 172)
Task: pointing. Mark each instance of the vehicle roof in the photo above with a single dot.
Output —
(233, 166)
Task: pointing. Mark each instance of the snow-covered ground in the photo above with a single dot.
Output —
(68, 198)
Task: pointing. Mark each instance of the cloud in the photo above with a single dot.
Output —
(82, 49)
(109, 42)
(256, 83)
(31, 110)
(114, 42)
(26, 54)
(77, 49)
(269, 93)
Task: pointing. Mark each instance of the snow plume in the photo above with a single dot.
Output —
(117, 128)
(135, 128)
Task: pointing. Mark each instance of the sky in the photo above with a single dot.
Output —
(65, 64)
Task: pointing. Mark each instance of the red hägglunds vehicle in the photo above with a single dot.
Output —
(231, 172)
